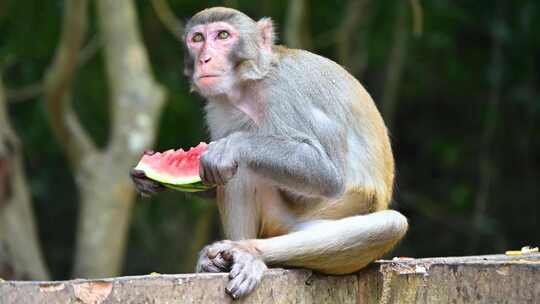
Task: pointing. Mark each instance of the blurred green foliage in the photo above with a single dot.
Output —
(438, 132)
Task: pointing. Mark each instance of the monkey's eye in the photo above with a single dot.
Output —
(223, 35)
(198, 37)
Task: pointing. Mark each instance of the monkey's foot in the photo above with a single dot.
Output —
(211, 260)
(246, 271)
(246, 267)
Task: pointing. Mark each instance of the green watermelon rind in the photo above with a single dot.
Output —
(195, 187)
(198, 185)
(169, 181)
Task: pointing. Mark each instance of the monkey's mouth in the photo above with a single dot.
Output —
(207, 80)
(207, 76)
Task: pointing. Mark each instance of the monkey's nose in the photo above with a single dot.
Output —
(205, 59)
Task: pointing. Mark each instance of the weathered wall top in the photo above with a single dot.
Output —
(475, 279)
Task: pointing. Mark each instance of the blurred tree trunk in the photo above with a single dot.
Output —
(20, 252)
(486, 169)
(395, 64)
(352, 37)
(296, 26)
(201, 233)
(168, 19)
(102, 175)
(264, 7)
(231, 3)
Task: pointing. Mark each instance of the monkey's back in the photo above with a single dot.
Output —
(368, 161)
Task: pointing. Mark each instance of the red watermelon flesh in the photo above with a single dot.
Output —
(178, 169)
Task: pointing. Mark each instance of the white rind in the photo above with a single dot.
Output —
(165, 178)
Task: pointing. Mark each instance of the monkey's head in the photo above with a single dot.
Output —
(225, 48)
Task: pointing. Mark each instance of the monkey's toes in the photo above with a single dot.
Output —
(245, 275)
(211, 260)
(209, 265)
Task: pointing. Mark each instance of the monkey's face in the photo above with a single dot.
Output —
(210, 47)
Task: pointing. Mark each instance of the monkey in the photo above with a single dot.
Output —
(300, 155)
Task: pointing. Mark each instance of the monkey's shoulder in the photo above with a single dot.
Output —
(307, 78)
(298, 64)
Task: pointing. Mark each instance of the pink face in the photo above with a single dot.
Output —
(210, 45)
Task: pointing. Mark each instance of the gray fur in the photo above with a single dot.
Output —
(295, 145)
(216, 14)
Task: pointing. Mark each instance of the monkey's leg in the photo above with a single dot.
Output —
(238, 207)
(240, 217)
(336, 247)
(332, 247)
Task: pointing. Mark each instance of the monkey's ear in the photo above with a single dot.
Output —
(266, 28)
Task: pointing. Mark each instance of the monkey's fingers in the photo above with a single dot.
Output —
(149, 152)
(244, 288)
(221, 263)
(225, 173)
(247, 278)
(205, 172)
(143, 185)
(202, 174)
(236, 270)
(137, 173)
(245, 275)
(204, 166)
(210, 259)
(146, 189)
(206, 265)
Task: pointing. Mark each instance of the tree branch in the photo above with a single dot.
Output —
(418, 17)
(486, 168)
(167, 17)
(136, 98)
(58, 81)
(395, 66)
(136, 101)
(296, 29)
(231, 3)
(17, 224)
(201, 233)
(35, 89)
(5, 128)
(89, 50)
(28, 92)
(353, 29)
(325, 39)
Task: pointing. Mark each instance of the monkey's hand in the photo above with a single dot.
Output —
(245, 266)
(145, 186)
(219, 162)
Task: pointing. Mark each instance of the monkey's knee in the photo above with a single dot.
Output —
(386, 229)
(395, 226)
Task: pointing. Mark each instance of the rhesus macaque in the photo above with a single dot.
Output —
(300, 154)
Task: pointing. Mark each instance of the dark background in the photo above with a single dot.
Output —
(464, 120)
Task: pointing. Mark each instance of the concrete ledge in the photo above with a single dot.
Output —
(476, 279)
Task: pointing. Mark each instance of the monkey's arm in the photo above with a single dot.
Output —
(299, 163)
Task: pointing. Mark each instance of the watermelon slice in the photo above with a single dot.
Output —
(175, 169)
